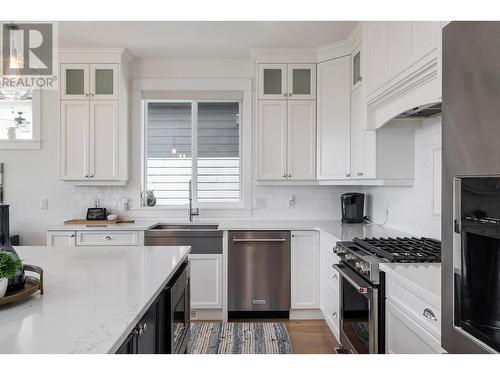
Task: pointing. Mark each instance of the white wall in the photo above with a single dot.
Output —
(412, 209)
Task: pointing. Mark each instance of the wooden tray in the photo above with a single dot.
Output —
(32, 285)
(97, 222)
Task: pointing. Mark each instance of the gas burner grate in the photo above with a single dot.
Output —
(403, 249)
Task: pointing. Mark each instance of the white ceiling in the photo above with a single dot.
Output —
(201, 39)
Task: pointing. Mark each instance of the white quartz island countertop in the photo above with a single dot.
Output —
(93, 297)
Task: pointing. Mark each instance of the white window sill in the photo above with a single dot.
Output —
(20, 144)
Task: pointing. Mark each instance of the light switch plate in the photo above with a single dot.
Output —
(260, 203)
(44, 203)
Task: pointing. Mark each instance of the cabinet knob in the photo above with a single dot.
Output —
(289, 94)
(289, 176)
(145, 327)
(86, 176)
(285, 94)
(360, 173)
(107, 238)
(73, 235)
(335, 277)
(334, 314)
(348, 175)
(429, 314)
(284, 176)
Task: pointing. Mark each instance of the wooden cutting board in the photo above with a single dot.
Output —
(97, 222)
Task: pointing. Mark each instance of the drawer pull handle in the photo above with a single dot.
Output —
(429, 314)
(107, 238)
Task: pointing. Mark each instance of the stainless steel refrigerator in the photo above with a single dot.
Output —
(471, 188)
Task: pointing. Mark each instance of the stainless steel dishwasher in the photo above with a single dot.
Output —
(259, 274)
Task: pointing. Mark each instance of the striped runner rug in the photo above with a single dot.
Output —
(239, 338)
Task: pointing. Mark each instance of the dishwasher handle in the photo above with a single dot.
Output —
(259, 240)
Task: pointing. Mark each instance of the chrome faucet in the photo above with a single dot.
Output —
(192, 211)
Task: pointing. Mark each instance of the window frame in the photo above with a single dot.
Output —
(194, 154)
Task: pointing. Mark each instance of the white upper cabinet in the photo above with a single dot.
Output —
(301, 135)
(89, 81)
(103, 145)
(272, 81)
(104, 81)
(356, 68)
(94, 117)
(363, 142)
(75, 81)
(75, 132)
(271, 143)
(301, 81)
(287, 81)
(334, 119)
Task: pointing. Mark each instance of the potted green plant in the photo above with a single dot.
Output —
(8, 268)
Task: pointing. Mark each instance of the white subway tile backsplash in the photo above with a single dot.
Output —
(413, 209)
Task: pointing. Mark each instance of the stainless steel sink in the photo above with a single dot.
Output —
(203, 238)
(189, 227)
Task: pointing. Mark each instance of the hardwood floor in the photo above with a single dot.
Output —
(311, 337)
(307, 336)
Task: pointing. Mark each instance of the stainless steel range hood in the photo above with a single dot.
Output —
(422, 111)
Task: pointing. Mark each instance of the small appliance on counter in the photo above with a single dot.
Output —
(96, 213)
(353, 207)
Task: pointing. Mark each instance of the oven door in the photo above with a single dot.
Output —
(476, 260)
(358, 312)
(178, 301)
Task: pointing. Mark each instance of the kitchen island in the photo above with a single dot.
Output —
(93, 299)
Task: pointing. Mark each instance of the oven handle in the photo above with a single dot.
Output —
(361, 286)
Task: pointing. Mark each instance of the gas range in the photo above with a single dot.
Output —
(364, 255)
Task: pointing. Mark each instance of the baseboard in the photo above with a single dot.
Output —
(203, 314)
(309, 314)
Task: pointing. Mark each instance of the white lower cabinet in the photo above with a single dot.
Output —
(61, 238)
(206, 281)
(305, 270)
(94, 238)
(329, 279)
(405, 336)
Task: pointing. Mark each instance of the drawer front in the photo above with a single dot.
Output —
(405, 336)
(102, 238)
(415, 303)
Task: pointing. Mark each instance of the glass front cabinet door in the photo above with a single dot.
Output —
(301, 81)
(272, 81)
(89, 81)
(74, 81)
(287, 81)
(356, 77)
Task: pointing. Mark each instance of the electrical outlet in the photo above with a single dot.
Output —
(44, 203)
(260, 203)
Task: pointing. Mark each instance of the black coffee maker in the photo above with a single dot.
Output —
(353, 207)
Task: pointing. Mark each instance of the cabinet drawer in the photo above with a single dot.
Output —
(405, 336)
(102, 238)
(419, 304)
(332, 308)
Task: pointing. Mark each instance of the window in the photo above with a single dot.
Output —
(196, 141)
(16, 115)
(19, 118)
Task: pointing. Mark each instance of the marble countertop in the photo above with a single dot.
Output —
(420, 275)
(93, 297)
(335, 228)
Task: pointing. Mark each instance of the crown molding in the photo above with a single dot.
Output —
(284, 55)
